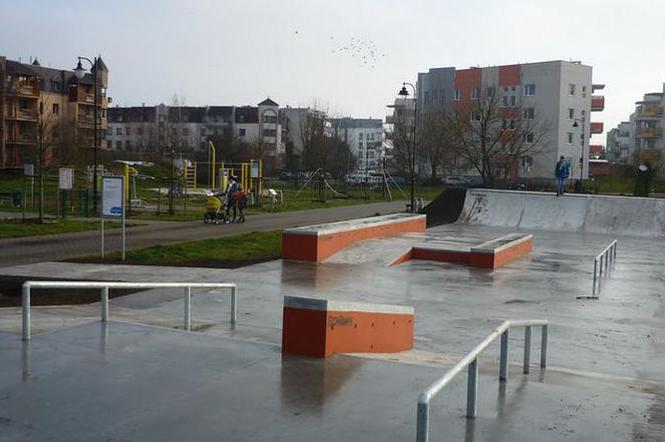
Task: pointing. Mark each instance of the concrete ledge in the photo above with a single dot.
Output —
(490, 254)
(321, 328)
(318, 242)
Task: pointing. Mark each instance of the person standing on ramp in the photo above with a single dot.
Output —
(561, 173)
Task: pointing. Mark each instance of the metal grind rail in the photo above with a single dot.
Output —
(470, 361)
(602, 265)
(105, 287)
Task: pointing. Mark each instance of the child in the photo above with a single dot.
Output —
(241, 201)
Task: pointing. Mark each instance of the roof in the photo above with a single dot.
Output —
(268, 102)
(186, 114)
(14, 67)
(101, 64)
(247, 115)
(136, 114)
(356, 123)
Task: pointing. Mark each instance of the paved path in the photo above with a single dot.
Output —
(71, 245)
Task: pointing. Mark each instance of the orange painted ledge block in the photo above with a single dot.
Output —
(321, 327)
(318, 242)
(490, 255)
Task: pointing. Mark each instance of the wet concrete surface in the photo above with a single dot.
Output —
(132, 382)
(606, 356)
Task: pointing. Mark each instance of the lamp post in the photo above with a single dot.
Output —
(576, 125)
(404, 93)
(79, 71)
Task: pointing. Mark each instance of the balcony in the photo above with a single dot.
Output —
(597, 103)
(22, 89)
(22, 139)
(596, 149)
(596, 128)
(649, 132)
(650, 111)
(22, 115)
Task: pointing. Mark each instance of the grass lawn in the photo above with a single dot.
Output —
(230, 251)
(31, 227)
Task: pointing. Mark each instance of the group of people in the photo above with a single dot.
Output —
(235, 200)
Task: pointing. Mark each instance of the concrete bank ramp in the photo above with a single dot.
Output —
(576, 213)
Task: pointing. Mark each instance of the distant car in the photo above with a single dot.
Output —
(458, 181)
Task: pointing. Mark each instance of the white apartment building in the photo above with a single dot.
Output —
(364, 137)
(618, 142)
(559, 94)
(187, 129)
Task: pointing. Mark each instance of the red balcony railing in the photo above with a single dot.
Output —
(596, 128)
(597, 103)
(596, 149)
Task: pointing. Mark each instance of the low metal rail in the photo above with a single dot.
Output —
(602, 265)
(105, 287)
(471, 361)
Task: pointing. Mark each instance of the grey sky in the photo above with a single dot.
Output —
(239, 52)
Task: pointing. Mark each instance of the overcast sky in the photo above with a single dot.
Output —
(239, 52)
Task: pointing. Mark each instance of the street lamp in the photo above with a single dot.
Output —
(79, 72)
(405, 93)
(576, 126)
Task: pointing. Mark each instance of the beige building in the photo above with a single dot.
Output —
(37, 100)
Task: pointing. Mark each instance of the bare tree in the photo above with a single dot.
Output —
(435, 146)
(492, 138)
(403, 157)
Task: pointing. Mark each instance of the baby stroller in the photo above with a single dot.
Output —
(214, 213)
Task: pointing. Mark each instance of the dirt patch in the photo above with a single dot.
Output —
(11, 286)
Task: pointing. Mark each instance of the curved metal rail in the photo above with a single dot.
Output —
(471, 361)
(105, 286)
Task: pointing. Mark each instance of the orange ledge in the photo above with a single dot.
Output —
(321, 328)
(316, 243)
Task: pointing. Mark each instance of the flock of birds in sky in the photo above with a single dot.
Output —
(365, 52)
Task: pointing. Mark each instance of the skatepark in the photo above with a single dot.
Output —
(509, 256)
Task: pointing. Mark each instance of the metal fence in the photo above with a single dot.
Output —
(104, 295)
(471, 361)
(603, 264)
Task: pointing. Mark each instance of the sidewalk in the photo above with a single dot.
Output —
(72, 245)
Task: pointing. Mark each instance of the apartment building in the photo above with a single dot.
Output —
(187, 129)
(293, 121)
(364, 137)
(618, 142)
(559, 94)
(645, 126)
(32, 96)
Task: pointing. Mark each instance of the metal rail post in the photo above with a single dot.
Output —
(527, 349)
(595, 271)
(26, 312)
(472, 389)
(188, 308)
(543, 346)
(234, 305)
(105, 304)
(422, 424)
(503, 361)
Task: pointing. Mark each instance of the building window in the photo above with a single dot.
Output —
(505, 101)
(491, 91)
(475, 116)
(571, 114)
(360, 136)
(128, 145)
(185, 131)
(529, 89)
(127, 131)
(475, 94)
(528, 137)
(139, 130)
(269, 133)
(270, 119)
(56, 109)
(242, 132)
(584, 91)
(512, 124)
(458, 95)
(513, 100)
(571, 89)
(118, 131)
(570, 138)
(527, 162)
(529, 113)
(118, 145)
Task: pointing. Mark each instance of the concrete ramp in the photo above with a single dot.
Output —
(573, 213)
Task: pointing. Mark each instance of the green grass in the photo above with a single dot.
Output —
(32, 227)
(248, 247)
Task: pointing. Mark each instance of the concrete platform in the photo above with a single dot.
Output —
(605, 380)
(133, 382)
